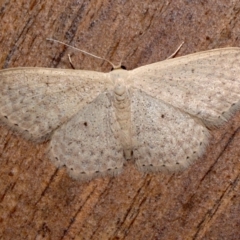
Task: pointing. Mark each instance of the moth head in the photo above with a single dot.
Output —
(119, 75)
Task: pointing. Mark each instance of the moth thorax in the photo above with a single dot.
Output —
(121, 97)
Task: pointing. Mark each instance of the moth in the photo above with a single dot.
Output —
(159, 115)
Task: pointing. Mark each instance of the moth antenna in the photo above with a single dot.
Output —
(87, 53)
(175, 52)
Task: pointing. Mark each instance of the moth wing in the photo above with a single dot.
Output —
(164, 137)
(204, 84)
(88, 145)
(35, 101)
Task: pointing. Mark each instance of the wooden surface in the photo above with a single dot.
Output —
(38, 201)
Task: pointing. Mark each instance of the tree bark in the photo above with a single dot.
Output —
(39, 201)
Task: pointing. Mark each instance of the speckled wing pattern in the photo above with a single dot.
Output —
(164, 137)
(204, 84)
(88, 144)
(35, 101)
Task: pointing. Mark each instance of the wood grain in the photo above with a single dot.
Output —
(38, 201)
